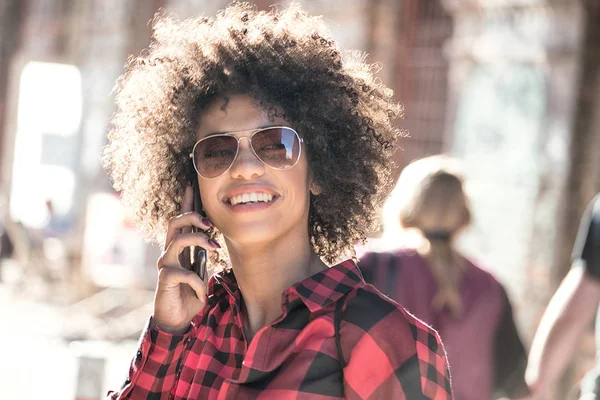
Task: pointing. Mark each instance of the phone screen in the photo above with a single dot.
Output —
(197, 253)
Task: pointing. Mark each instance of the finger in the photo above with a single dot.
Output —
(176, 224)
(186, 229)
(185, 240)
(170, 256)
(170, 277)
(198, 286)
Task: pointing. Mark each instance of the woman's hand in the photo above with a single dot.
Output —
(180, 293)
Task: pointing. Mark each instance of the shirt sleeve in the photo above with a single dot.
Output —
(155, 369)
(390, 354)
(587, 244)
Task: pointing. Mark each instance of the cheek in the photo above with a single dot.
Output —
(302, 186)
(208, 196)
(301, 171)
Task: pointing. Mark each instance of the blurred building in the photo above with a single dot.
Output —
(509, 86)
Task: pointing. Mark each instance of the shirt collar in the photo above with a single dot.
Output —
(327, 286)
(316, 292)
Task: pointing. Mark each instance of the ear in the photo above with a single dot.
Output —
(315, 189)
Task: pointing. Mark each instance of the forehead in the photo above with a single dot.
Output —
(232, 114)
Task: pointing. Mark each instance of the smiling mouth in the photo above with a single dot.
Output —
(250, 198)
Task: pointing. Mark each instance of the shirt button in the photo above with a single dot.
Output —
(138, 355)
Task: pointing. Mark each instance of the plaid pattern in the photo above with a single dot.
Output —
(388, 353)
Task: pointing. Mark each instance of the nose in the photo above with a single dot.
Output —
(246, 165)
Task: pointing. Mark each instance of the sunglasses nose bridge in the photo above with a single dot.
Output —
(245, 158)
(240, 146)
(250, 147)
(248, 138)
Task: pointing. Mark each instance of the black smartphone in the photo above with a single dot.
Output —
(197, 253)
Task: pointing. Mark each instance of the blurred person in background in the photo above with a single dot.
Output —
(55, 224)
(289, 145)
(16, 243)
(569, 313)
(463, 302)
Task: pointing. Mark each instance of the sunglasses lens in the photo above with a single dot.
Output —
(214, 155)
(279, 148)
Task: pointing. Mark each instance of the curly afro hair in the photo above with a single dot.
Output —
(287, 61)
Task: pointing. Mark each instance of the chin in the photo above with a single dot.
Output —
(252, 234)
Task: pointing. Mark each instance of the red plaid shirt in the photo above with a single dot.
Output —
(389, 354)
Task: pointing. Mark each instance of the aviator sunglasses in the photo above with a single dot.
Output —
(277, 147)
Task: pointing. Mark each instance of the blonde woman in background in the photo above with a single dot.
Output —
(463, 302)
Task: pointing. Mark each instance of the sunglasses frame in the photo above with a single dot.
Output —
(237, 151)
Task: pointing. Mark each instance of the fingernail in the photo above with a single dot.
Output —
(206, 221)
(214, 244)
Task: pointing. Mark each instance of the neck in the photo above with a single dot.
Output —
(423, 245)
(263, 273)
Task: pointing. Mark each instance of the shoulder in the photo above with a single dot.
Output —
(368, 311)
(381, 339)
(373, 258)
(482, 275)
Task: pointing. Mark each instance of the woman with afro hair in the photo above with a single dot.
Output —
(250, 136)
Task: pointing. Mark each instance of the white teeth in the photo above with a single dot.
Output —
(250, 198)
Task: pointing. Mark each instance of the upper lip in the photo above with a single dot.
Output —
(249, 189)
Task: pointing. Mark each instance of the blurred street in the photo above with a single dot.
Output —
(511, 89)
(31, 346)
(42, 344)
